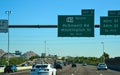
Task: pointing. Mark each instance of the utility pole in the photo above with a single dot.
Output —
(8, 13)
(103, 53)
(45, 48)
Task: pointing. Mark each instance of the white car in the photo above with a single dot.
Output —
(43, 69)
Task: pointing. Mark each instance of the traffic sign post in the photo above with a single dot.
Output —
(3, 26)
(75, 26)
(109, 25)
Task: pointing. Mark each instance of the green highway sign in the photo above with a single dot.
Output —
(3, 26)
(75, 26)
(88, 12)
(114, 13)
(109, 25)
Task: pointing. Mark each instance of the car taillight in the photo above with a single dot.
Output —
(46, 69)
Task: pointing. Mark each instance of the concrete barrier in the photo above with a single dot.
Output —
(18, 68)
(114, 67)
(1, 69)
(24, 68)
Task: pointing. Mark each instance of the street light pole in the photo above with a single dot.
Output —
(103, 53)
(8, 13)
(45, 48)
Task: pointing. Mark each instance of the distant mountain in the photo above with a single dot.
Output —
(1, 52)
(25, 55)
(29, 54)
(5, 54)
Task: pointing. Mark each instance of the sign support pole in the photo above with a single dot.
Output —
(8, 13)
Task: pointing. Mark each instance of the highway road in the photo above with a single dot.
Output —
(79, 70)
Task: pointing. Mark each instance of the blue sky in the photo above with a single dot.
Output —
(45, 12)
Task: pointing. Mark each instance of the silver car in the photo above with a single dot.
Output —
(102, 66)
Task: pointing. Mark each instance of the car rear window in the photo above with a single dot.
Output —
(41, 66)
(1, 66)
(102, 65)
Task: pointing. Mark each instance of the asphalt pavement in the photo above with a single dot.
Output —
(79, 70)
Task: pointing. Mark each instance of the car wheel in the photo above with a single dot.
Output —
(4, 71)
(52, 73)
(13, 71)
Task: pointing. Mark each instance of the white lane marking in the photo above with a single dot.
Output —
(72, 74)
(18, 72)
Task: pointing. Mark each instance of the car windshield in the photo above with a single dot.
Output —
(102, 65)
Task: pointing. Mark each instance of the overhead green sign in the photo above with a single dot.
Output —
(114, 13)
(75, 26)
(3, 26)
(88, 12)
(109, 25)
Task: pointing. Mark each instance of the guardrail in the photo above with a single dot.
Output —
(18, 68)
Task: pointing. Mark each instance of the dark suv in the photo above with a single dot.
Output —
(74, 65)
(58, 65)
(10, 68)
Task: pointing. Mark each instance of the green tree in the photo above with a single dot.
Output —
(34, 57)
(3, 61)
(104, 57)
(16, 60)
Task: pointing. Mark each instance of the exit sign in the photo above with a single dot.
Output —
(87, 12)
(114, 13)
(3, 26)
(109, 25)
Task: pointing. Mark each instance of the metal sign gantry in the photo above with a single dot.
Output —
(38, 26)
